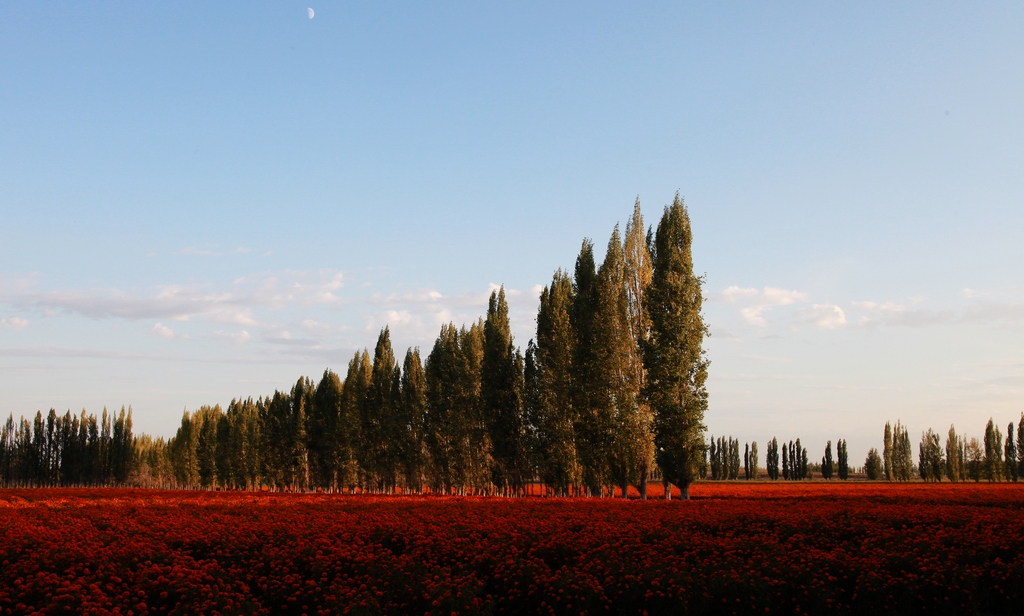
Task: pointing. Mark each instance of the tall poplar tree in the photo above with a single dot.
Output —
(442, 425)
(501, 387)
(637, 274)
(993, 452)
(1010, 455)
(592, 417)
(954, 456)
(677, 366)
(476, 447)
(1020, 446)
(843, 455)
(380, 422)
(354, 391)
(887, 452)
(555, 419)
(771, 459)
(873, 465)
(413, 413)
(325, 431)
(616, 386)
(455, 430)
(301, 399)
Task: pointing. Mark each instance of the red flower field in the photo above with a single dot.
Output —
(734, 548)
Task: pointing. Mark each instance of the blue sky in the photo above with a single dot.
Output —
(202, 202)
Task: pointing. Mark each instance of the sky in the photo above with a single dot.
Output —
(202, 202)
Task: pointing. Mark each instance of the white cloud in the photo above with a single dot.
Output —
(880, 308)
(192, 251)
(162, 331)
(15, 323)
(828, 316)
(734, 293)
(758, 301)
(234, 305)
(318, 328)
(240, 337)
(398, 317)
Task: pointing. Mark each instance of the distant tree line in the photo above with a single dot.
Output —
(609, 394)
(960, 459)
(67, 450)
(723, 461)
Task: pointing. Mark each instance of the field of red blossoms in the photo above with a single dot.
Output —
(733, 549)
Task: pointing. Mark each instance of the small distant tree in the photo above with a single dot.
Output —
(772, 459)
(785, 461)
(734, 458)
(844, 459)
(993, 463)
(826, 462)
(1020, 446)
(974, 459)
(713, 455)
(746, 461)
(873, 465)
(887, 452)
(930, 462)
(1010, 455)
(901, 461)
(753, 460)
(954, 456)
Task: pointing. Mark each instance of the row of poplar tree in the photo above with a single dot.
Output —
(67, 450)
(609, 394)
(993, 458)
(723, 460)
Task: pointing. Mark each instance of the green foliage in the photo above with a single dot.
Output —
(502, 389)
(974, 460)
(887, 452)
(638, 272)
(354, 391)
(955, 467)
(1010, 455)
(455, 432)
(554, 414)
(324, 435)
(753, 461)
(826, 462)
(843, 455)
(676, 363)
(592, 404)
(772, 459)
(993, 452)
(381, 427)
(897, 455)
(930, 463)
(1020, 446)
(873, 465)
(413, 411)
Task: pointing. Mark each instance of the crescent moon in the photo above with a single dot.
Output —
(310, 11)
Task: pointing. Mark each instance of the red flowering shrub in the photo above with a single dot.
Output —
(734, 548)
